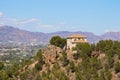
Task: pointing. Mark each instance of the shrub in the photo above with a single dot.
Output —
(84, 48)
(1, 65)
(38, 66)
(117, 67)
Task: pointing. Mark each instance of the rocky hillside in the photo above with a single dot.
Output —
(8, 33)
(86, 62)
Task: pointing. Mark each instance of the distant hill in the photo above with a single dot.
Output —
(8, 33)
(111, 35)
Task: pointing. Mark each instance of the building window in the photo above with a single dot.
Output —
(73, 43)
(75, 39)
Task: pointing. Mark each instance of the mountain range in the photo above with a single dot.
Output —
(8, 33)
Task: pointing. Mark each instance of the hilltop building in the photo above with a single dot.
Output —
(75, 39)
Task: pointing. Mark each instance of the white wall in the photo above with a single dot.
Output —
(71, 44)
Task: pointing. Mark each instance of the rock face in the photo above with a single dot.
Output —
(50, 53)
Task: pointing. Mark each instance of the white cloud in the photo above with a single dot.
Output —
(46, 26)
(24, 21)
(32, 24)
(111, 30)
(1, 14)
(16, 22)
(62, 23)
(107, 30)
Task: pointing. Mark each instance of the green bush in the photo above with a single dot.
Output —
(72, 66)
(3, 75)
(39, 57)
(108, 75)
(38, 66)
(117, 67)
(56, 66)
(1, 65)
(85, 48)
(76, 56)
(65, 61)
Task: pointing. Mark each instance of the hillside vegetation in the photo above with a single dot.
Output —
(86, 61)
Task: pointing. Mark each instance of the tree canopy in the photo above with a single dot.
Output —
(58, 41)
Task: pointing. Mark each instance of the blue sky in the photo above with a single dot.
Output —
(97, 16)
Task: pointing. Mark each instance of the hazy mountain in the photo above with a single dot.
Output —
(111, 35)
(8, 33)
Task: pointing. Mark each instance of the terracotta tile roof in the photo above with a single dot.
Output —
(76, 36)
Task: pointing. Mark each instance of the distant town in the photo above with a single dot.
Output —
(14, 53)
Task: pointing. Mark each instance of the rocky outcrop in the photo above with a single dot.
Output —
(50, 53)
